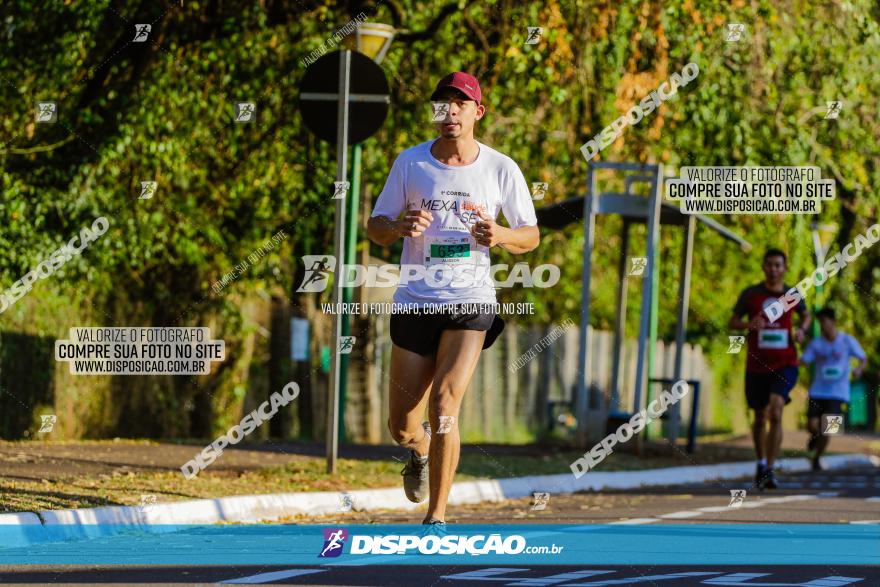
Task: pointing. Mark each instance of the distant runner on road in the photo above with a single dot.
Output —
(832, 353)
(772, 364)
(442, 197)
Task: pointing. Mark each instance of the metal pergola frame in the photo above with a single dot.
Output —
(634, 209)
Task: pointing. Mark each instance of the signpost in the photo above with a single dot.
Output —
(343, 98)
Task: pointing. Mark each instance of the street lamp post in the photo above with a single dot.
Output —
(373, 40)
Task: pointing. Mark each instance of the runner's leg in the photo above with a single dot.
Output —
(759, 425)
(821, 444)
(411, 375)
(813, 428)
(457, 358)
(774, 434)
(815, 436)
(821, 439)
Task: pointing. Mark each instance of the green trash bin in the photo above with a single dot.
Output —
(858, 405)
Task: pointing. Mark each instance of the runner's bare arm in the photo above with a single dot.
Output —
(860, 368)
(736, 323)
(806, 320)
(519, 240)
(515, 240)
(384, 231)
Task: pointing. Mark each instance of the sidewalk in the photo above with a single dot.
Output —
(70, 475)
(31, 528)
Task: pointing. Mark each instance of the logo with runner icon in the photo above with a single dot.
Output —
(534, 35)
(334, 540)
(439, 111)
(832, 423)
(833, 109)
(47, 423)
(637, 266)
(346, 344)
(141, 32)
(736, 344)
(318, 270)
(47, 112)
(541, 498)
(148, 190)
(734, 32)
(446, 424)
(539, 190)
(340, 188)
(244, 111)
(737, 497)
(147, 503)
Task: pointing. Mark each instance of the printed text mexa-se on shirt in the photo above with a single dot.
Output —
(454, 196)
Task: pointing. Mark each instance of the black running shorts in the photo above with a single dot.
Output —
(818, 406)
(420, 332)
(759, 386)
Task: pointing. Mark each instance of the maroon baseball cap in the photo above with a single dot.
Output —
(463, 82)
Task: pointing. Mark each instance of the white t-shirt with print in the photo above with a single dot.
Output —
(453, 195)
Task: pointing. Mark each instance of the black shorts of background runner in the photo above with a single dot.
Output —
(420, 333)
(759, 386)
(817, 407)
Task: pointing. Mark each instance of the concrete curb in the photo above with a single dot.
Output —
(21, 529)
(52, 525)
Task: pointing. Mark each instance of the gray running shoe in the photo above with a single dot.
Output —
(415, 478)
(415, 473)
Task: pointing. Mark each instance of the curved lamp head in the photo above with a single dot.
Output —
(372, 39)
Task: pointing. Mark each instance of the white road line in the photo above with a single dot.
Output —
(873, 499)
(680, 515)
(633, 521)
(789, 498)
(747, 505)
(866, 522)
(274, 576)
(760, 502)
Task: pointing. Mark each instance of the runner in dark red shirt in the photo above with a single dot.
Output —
(772, 364)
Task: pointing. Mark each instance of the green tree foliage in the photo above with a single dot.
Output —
(162, 110)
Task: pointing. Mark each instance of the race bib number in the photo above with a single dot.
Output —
(773, 338)
(450, 251)
(832, 372)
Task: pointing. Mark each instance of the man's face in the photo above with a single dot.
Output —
(826, 324)
(463, 114)
(774, 268)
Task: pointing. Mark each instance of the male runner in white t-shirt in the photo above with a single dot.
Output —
(442, 198)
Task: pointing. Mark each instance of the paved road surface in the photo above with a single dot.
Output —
(461, 576)
(836, 497)
(852, 497)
